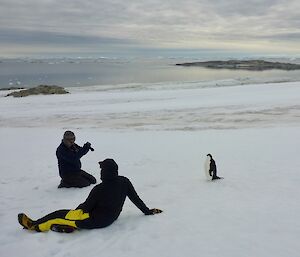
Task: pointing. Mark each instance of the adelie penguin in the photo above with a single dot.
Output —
(211, 168)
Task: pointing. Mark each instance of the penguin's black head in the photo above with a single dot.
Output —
(209, 155)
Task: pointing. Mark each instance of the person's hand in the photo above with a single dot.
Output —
(87, 145)
(154, 211)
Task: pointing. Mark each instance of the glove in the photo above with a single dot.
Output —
(87, 145)
(154, 211)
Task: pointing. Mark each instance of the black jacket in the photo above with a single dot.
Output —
(106, 200)
(69, 158)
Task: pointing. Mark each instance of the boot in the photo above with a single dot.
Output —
(26, 222)
(62, 228)
(63, 184)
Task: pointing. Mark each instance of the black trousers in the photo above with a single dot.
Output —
(78, 179)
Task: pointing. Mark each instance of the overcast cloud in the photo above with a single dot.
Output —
(108, 26)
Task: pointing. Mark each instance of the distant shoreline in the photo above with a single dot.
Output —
(11, 88)
(255, 65)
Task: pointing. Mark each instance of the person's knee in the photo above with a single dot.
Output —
(89, 177)
(83, 183)
(78, 181)
(77, 214)
(93, 180)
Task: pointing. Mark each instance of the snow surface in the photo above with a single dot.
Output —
(160, 138)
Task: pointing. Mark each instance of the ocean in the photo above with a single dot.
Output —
(82, 72)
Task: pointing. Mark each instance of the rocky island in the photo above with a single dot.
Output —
(40, 90)
(255, 65)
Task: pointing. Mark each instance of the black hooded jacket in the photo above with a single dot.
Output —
(105, 202)
(69, 158)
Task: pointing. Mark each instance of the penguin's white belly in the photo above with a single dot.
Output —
(206, 168)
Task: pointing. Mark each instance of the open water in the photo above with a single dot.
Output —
(104, 71)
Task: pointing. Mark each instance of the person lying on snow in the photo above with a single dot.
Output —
(102, 207)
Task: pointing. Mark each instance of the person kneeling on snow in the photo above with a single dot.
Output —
(68, 156)
(102, 207)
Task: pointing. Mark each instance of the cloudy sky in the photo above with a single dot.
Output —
(148, 27)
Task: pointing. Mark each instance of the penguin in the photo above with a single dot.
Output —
(210, 168)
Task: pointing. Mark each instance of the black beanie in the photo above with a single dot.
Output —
(109, 169)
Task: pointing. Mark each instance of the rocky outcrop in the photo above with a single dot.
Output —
(256, 65)
(40, 90)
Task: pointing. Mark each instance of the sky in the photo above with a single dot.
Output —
(116, 28)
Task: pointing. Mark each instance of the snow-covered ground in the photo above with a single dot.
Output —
(160, 138)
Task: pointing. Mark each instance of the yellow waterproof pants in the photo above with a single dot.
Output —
(69, 219)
